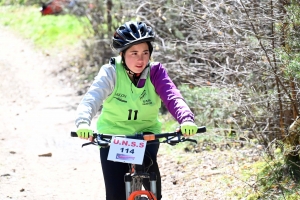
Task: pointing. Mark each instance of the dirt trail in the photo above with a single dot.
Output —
(36, 117)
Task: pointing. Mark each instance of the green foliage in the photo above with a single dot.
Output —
(289, 52)
(252, 197)
(168, 123)
(213, 107)
(20, 2)
(291, 61)
(45, 31)
(272, 181)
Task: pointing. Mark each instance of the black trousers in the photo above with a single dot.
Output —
(113, 173)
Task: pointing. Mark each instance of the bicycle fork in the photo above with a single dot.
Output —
(131, 195)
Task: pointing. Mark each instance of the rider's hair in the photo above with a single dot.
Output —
(132, 33)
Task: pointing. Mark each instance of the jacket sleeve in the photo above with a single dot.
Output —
(102, 86)
(169, 94)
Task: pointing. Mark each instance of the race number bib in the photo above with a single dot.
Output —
(127, 150)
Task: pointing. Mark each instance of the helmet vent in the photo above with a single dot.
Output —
(133, 28)
(132, 33)
(128, 36)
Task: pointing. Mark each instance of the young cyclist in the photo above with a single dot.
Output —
(130, 89)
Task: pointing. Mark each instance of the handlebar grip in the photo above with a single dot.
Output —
(201, 129)
(74, 134)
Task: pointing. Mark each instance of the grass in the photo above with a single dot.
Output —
(47, 32)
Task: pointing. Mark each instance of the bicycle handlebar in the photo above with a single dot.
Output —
(100, 139)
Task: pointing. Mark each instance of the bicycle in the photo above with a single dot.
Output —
(134, 179)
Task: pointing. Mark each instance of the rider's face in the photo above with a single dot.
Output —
(137, 57)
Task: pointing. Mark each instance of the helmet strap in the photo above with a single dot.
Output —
(125, 66)
(135, 76)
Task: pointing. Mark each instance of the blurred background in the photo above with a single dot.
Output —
(235, 62)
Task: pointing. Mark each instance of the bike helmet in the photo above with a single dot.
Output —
(132, 33)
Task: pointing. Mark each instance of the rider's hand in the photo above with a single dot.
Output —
(188, 128)
(84, 131)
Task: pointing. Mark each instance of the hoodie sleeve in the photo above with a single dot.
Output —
(102, 86)
(169, 94)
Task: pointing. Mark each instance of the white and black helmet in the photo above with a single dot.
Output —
(132, 33)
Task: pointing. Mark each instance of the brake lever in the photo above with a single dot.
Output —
(190, 140)
(88, 143)
(171, 140)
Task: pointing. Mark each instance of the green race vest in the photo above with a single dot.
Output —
(129, 109)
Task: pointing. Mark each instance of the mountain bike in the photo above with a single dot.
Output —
(131, 150)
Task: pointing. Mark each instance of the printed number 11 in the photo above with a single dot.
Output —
(130, 114)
